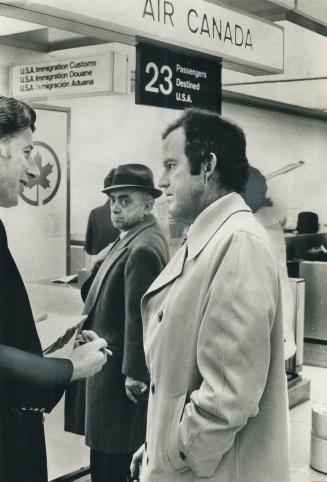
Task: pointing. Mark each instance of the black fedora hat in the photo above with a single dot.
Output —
(108, 179)
(136, 176)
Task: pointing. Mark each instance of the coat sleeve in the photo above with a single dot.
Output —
(233, 355)
(143, 266)
(33, 381)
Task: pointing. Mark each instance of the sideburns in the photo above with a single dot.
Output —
(4, 150)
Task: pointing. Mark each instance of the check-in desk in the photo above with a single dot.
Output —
(298, 387)
(66, 452)
(307, 259)
(315, 326)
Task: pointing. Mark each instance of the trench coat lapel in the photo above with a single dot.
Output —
(198, 237)
(172, 271)
(114, 254)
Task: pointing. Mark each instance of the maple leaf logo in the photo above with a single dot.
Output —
(45, 171)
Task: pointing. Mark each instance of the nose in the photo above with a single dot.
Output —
(32, 169)
(163, 180)
(115, 206)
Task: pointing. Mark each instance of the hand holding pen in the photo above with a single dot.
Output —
(89, 358)
(87, 336)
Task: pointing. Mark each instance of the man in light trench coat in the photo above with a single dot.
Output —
(212, 321)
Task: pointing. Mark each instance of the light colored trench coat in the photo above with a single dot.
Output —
(214, 347)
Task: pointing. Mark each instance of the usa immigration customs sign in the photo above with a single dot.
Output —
(67, 77)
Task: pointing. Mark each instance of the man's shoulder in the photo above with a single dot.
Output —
(244, 225)
(151, 237)
(243, 222)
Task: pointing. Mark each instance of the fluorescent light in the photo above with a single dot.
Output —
(10, 26)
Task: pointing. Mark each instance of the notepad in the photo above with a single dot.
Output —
(52, 330)
(72, 278)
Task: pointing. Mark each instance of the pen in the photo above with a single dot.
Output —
(106, 350)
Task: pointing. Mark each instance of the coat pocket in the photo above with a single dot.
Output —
(175, 453)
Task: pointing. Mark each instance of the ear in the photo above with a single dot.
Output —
(4, 151)
(210, 165)
(148, 206)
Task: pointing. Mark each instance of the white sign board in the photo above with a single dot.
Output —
(239, 39)
(66, 77)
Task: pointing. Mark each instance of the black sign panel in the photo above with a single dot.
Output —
(168, 79)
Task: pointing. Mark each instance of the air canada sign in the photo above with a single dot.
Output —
(243, 42)
(201, 23)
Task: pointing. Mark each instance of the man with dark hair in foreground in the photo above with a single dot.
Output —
(29, 383)
(212, 322)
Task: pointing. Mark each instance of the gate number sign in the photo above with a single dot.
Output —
(173, 80)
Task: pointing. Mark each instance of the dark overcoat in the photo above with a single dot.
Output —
(29, 383)
(114, 424)
(100, 230)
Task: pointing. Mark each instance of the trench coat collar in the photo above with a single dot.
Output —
(202, 231)
(114, 254)
(172, 271)
(199, 236)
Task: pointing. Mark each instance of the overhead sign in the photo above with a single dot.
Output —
(74, 76)
(169, 79)
(244, 42)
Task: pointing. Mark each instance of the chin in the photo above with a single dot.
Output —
(118, 226)
(174, 212)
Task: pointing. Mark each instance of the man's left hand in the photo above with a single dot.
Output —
(134, 388)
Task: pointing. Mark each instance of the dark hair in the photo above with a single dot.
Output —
(207, 132)
(15, 115)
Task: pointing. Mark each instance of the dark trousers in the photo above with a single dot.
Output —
(110, 467)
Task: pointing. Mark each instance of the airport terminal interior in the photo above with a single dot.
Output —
(100, 75)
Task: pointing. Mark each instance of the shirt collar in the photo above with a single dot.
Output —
(123, 234)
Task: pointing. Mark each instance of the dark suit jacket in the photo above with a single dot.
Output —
(113, 423)
(29, 383)
(100, 230)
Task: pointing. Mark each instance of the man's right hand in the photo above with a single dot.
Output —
(136, 463)
(88, 359)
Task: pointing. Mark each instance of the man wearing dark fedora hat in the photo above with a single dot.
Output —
(115, 416)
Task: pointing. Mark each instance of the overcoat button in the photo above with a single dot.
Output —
(182, 455)
(145, 446)
(160, 315)
(153, 388)
(147, 461)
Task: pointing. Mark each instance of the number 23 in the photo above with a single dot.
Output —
(167, 86)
